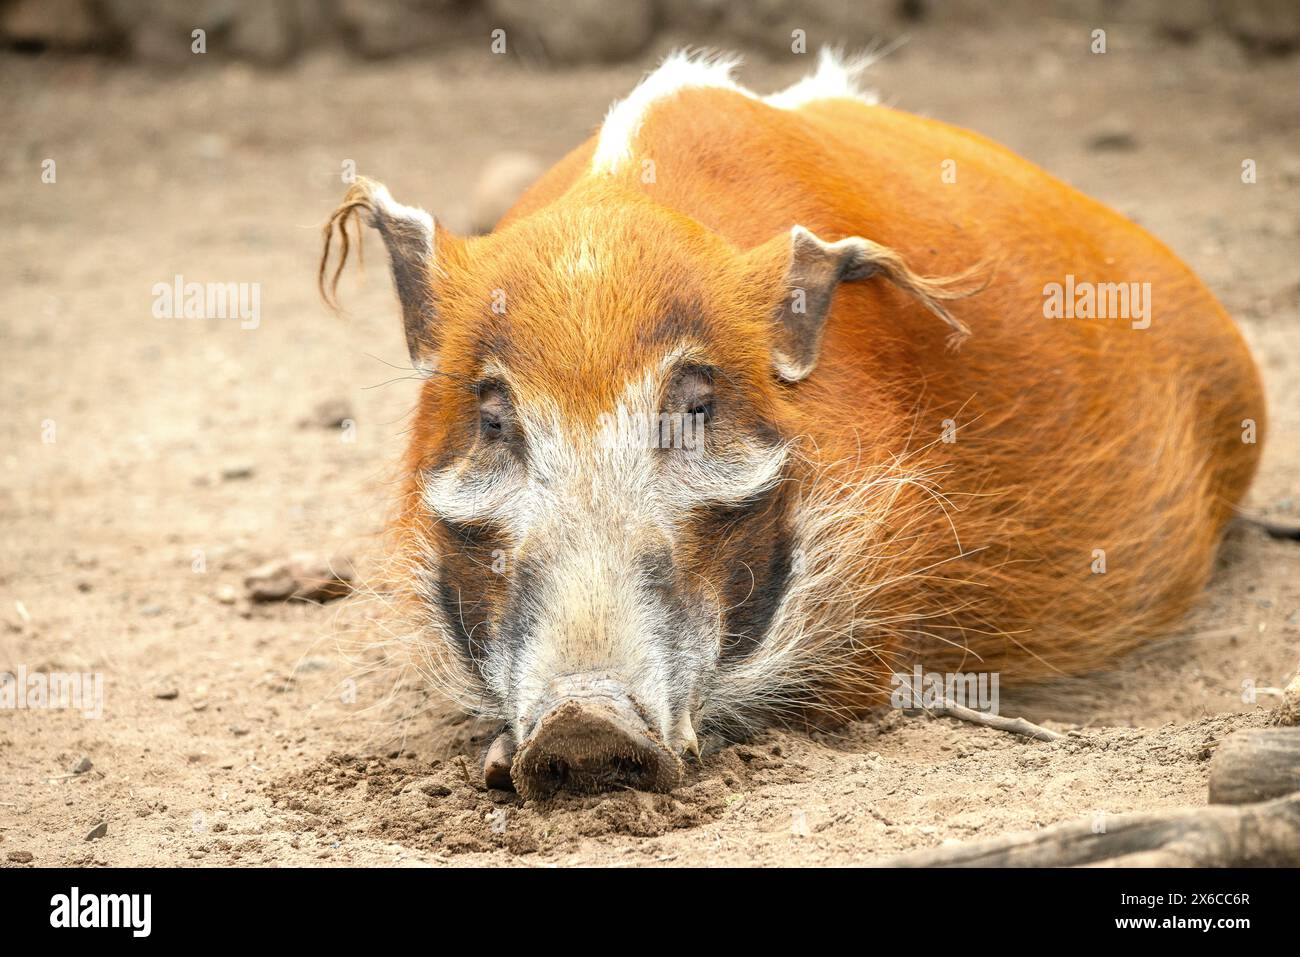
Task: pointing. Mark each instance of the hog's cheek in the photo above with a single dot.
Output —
(472, 586)
(747, 554)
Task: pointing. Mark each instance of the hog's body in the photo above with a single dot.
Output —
(1030, 503)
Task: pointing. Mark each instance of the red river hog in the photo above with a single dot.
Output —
(752, 403)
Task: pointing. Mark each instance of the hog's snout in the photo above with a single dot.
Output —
(590, 738)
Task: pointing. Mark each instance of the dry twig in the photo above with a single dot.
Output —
(1013, 725)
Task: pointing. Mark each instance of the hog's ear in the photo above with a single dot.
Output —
(410, 237)
(814, 269)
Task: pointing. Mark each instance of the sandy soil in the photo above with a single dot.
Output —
(230, 734)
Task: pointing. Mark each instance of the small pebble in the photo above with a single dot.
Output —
(98, 831)
(330, 414)
(82, 766)
(302, 577)
(1112, 140)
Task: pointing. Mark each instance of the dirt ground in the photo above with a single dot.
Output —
(238, 734)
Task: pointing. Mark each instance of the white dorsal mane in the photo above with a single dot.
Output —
(835, 77)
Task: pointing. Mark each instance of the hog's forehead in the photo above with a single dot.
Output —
(593, 257)
(576, 430)
(588, 351)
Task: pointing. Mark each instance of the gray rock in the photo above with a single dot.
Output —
(302, 577)
(329, 414)
(691, 15)
(574, 31)
(1269, 26)
(1112, 137)
(1184, 20)
(160, 31)
(265, 33)
(401, 26)
(55, 24)
(770, 25)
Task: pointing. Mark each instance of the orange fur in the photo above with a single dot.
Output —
(1071, 435)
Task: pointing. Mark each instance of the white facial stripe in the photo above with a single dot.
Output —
(732, 477)
(612, 467)
(595, 616)
(456, 494)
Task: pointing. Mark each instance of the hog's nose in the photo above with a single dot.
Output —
(591, 738)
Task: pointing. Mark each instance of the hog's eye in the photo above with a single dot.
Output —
(494, 410)
(692, 393)
(702, 408)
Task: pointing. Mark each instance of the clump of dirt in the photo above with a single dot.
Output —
(442, 806)
(868, 791)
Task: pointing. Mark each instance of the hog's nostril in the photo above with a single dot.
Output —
(628, 768)
(587, 744)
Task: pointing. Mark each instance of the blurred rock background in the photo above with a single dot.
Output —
(275, 32)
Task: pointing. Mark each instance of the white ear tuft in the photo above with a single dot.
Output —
(408, 234)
